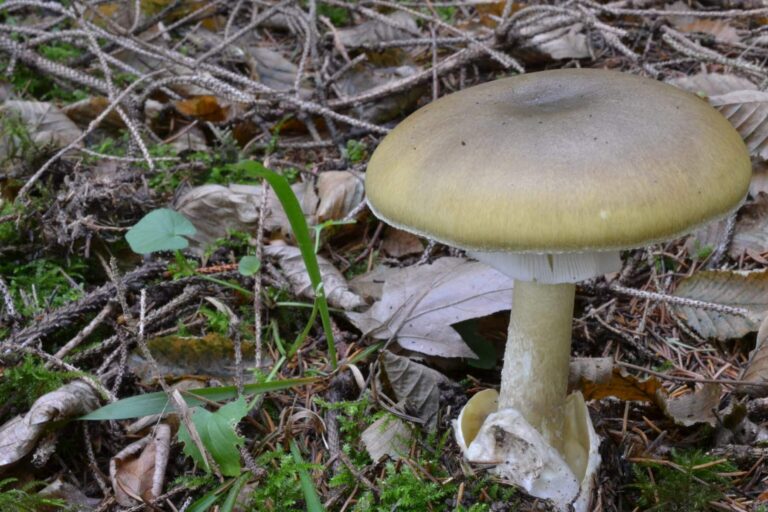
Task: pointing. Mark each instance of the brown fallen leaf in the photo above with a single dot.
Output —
(414, 385)
(84, 111)
(137, 473)
(744, 289)
(205, 108)
(597, 378)
(420, 303)
(398, 243)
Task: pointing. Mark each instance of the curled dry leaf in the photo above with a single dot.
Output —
(44, 122)
(387, 437)
(215, 209)
(756, 372)
(712, 84)
(336, 288)
(748, 113)
(137, 473)
(420, 303)
(744, 289)
(597, 378)
(19, 435)
(414, 385)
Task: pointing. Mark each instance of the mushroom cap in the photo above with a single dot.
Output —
(559, 161)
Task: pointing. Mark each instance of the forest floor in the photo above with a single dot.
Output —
(142, 256)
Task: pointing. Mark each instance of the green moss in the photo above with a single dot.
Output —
(689, 484)
(281, 490)
(23, 499)
(21, 385)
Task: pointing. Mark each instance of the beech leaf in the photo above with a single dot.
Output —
(420, 303)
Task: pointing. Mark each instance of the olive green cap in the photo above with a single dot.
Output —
(559, 161)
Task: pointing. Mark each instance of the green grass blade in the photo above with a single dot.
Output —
(156, 403)
(307, 486)
(301, 231)
(234, 492)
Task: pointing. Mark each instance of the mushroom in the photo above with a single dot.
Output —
(546, 177)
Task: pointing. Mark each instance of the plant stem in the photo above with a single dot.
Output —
(534, 379)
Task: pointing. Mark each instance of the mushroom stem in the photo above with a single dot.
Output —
(534, 379)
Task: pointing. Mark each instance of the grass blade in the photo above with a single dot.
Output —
(301, 231)
(307, 487)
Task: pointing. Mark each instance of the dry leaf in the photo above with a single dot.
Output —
(712, 84)
(597, 378)
(205, 108)
(137, 473)
(387, 437)
(419, 304)
(19, 435)
(563, 43)
(370, 285)
(339, 192)
(398, 243)
(748, 113)
(744, 289)
(756, 371)
(84, 111)
(367, 79)
(376, 31)
(750, 232)
(718, 28)
(414, 385)
(45, 123)
(214, 210)
(336, 288)
(694, 408)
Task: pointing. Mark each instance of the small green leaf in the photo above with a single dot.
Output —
(217, 432)
(249, 265)
(160, 230)
(158, 403)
